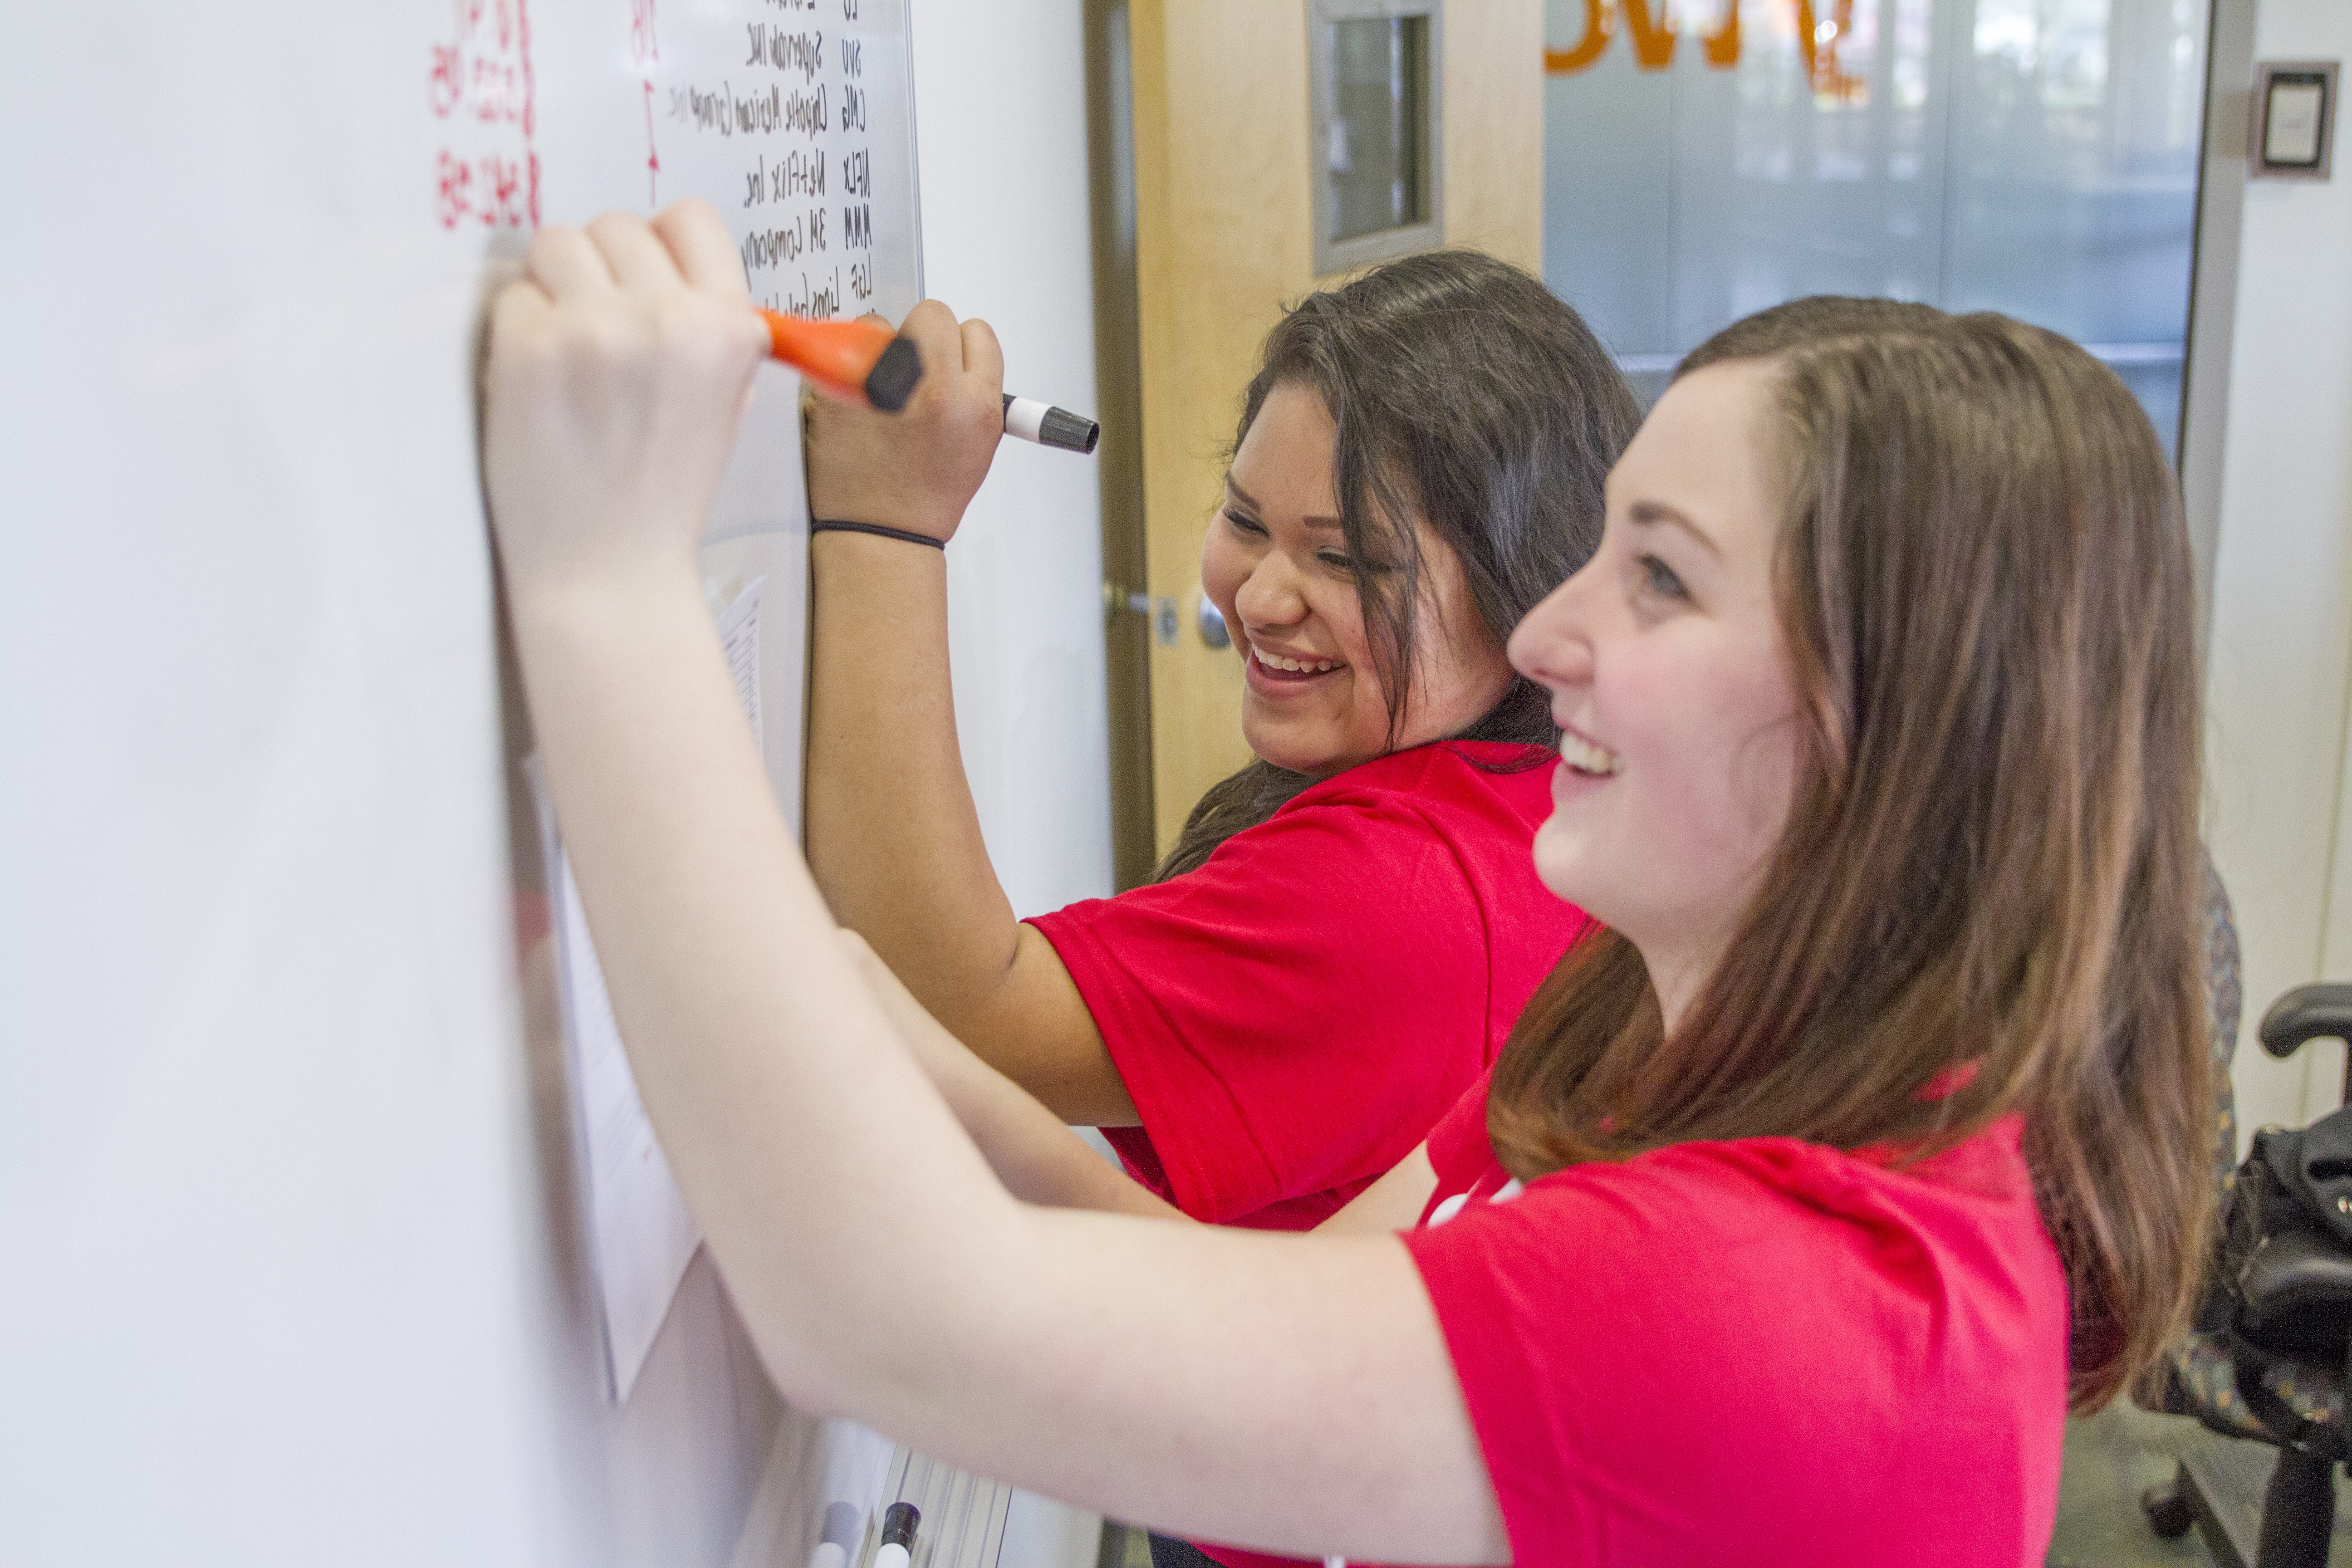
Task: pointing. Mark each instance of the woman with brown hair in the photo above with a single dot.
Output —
(1336, 946)
(1870, 1137)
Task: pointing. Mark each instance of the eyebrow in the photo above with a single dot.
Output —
(1254, 504)
(1657, 512)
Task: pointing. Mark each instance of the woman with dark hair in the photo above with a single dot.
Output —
(1870, 1137)
(1337, 942)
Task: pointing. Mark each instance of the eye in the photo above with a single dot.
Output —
(1356, 566)
(1244, 523)
(1659, 578)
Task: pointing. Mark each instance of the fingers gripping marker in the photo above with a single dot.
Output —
(862, 360)
(892, 380)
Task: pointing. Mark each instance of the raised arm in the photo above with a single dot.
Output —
(1288, 1393)
(1041, 1161)
(1033, 1152)
(893, 838)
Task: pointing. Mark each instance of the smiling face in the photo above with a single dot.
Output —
(1670, 681)
(1277, 565)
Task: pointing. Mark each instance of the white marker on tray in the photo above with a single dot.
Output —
(839, 1538)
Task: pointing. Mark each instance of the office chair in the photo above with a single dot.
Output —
(2224, 1374)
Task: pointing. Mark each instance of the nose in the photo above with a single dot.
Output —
(1552, 644)
(1269, 596)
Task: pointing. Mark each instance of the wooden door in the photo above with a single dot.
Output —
(1217, 136)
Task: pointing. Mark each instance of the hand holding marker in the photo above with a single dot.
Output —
(866, 363)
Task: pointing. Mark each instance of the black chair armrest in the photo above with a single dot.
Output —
(2296, 1295)
(2307, 1013)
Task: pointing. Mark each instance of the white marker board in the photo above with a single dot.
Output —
(293, 1265)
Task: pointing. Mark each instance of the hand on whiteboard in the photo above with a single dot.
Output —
(619, 365)
(917, 468)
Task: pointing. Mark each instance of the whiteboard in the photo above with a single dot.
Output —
(293, 1265)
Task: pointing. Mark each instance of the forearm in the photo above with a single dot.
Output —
(894, 839)
(768, 1069)
(1036, 1157)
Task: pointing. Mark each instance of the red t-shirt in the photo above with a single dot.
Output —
(1759, 1352)
(1292, 1016)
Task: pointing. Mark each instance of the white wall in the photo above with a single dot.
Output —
(1000, 120)
(2280, 661)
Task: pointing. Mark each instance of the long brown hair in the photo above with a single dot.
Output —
(1467, 393)
(1991, 860)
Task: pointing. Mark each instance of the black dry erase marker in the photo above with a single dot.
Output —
(898, 1521)
(1048, 426)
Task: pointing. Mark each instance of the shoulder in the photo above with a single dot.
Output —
(1441, 776)
(1790, 1185)
(1449, 791)
(1760, 1219)
(1837, 1318)
(1409, 850)
(1478, 793)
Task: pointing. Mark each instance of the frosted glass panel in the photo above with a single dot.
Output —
(2073, 187)
(1707, 159)
(1379, 80)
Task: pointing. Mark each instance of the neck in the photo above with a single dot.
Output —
(1675, 974)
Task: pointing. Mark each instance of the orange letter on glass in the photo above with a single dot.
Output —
(1588, 48)
(1654, 41)
(1723, 43)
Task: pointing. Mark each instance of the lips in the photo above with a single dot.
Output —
(1588, 758)
(1279, 669)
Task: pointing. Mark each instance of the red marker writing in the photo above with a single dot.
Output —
(865, 362)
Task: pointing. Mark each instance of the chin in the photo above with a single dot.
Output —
(1271, 744)
(1560, 867)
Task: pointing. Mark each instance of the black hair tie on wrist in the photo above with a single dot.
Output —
(875, 527)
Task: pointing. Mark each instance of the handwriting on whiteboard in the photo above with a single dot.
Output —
(645, 53)
(768, 107)
(479, 88)
(795, 99)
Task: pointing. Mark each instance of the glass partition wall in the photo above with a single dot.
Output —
(1707, 158)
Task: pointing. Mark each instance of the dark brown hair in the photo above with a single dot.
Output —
(1469, 396)
(1991, 861)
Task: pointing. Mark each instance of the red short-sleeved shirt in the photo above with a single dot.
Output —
(1292, 1016)
(1753, 1351)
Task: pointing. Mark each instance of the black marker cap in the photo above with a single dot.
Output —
(1069, 431)
(898, 1521)
(892, 380)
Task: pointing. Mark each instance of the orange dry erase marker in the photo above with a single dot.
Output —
(864, 362)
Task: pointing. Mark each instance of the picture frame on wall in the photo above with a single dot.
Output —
(2293, 129)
